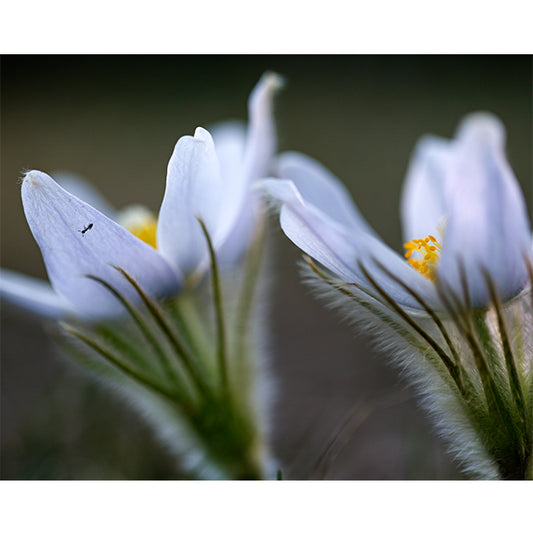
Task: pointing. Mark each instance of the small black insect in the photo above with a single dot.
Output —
(82, 231)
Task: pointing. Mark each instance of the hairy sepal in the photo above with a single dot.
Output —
(163, 360)
(462, 418)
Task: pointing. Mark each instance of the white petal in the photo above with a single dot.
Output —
(230, 139)
(487, 217)
(423, 206)
(322, 189)
(234, 244)
(261, 135)
(339, 248)
(33, 294)
(281, 191)
(77, 240)
(230, 142)
(241, 202)
(193, 190)
(86, 192)
(237, 204)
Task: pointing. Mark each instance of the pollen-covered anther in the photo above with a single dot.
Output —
(141, 222)
(430, 249)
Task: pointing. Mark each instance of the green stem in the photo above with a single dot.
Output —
(449, 364)
(252, 268)
(159, 351)
(126, 369)
(516, 387)
(465, 382)
(189, 362)
(219, 312)
(193, 327)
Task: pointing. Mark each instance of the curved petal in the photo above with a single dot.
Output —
(339, 248)
(33, 294)
(236, 242)
(261, 134)
(193, 190)
(76, 240)
(236, 207)
(229, 138)
(487, 218)
(423, 207)
(322, 189)
(241, 203)
(86, 192)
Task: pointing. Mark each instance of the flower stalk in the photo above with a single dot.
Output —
(487, 383)
(219, 311)
(150, 302)
(456, 317)
(190, 377)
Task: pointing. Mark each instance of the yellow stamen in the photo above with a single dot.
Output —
(140, 222)
(430, 249)
(146, 232)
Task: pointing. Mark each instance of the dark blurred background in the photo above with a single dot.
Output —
(114, 120)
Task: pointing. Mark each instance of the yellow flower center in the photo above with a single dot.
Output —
(146, 232)
(430, 249)
(140, 222)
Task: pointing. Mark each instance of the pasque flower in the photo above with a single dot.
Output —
(460, 194)
(455, 312)
(177, 292)
(209, 177)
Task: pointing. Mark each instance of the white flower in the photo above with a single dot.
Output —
(208, 178)
(457, 316)
(460, 192)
